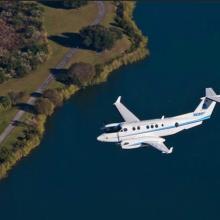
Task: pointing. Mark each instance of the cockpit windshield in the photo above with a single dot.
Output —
(112, 129)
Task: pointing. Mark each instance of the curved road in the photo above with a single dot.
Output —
(67, 57)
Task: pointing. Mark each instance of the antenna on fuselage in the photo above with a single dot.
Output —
(163, 117)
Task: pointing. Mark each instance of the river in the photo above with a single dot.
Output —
(72, 176)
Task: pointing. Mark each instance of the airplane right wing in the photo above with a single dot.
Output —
(161, 146)
(155, 142)
(127, 115)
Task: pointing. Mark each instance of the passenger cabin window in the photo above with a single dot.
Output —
(134, 128)
(156, 126)
(152, 126)
(162, 125)
(112, 129)
(138, 127)
(125, 129)
(147, 127)
(176, 124)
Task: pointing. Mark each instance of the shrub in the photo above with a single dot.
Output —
(5, 103)
(4, 154)
(2, 75)
(81, 74)
(16, 97)
(44, 106)
(54, 96)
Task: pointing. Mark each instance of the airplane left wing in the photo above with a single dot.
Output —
(155, 142)
(127, 115)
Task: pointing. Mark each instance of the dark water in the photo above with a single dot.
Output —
(72, 176)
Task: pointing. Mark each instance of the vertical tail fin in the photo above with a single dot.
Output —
(208, 103)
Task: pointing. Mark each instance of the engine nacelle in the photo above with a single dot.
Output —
(127, 146)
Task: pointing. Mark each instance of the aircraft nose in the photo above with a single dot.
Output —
(100, 137)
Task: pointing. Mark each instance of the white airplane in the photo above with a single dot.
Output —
(134, 133)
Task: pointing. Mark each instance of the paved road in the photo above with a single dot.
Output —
(65, 60)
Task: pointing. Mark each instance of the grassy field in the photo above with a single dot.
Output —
(6, 117)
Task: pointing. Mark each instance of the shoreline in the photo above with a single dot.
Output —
(129, 57)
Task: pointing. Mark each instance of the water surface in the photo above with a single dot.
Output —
(72, 176)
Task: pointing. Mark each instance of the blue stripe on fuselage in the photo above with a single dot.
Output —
(173, 126)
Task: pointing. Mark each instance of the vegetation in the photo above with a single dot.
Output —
(16, 97)
(27, 135)
(81, 74)
(5, 103)
(44, 106)
(74, 3)
(54, 96)
(99, 38)
(54, 26)
(23, 39)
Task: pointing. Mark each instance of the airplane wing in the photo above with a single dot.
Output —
(127, 115)
(161, 146)
(155, 142)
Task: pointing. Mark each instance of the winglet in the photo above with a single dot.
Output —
(118, 100)
(170, 150)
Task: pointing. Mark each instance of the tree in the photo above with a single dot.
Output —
(74, 3)
(4, 154)
(2, 76)
(98, 37)
(81, 74)
(16, 97)
(54, 96)
(44, 106)
(5, 102)
(23, 42)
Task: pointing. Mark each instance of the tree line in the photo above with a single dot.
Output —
(23, 38)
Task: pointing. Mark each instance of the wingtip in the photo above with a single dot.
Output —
(170, 150)
(118, 100)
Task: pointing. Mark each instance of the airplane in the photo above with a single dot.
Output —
(134, 133)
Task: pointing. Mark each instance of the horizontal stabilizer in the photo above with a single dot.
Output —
(210, 94)
(214, 98)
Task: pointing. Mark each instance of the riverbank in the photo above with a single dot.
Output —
(135, 53)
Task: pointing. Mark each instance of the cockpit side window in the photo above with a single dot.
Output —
(112, 129)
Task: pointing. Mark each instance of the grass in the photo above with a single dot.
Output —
(6, 117)
(94, 57)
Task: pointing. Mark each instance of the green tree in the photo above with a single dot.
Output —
(44, 106)
(81, 74)
(54, 96)
(98, 37)
(2, 76)
(5, 102)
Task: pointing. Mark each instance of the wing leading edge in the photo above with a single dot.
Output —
(127, 115)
